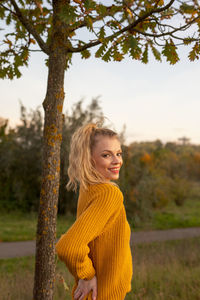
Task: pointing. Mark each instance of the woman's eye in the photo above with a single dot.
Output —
(119, 154)
(105, 155)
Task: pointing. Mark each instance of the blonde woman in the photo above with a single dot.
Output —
(96, 248)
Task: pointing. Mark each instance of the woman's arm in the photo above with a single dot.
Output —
(72, 248)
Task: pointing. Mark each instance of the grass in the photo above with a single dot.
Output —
(174, 216)
(18, 226)
(162, 270)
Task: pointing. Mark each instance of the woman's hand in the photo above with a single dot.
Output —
(84, 287)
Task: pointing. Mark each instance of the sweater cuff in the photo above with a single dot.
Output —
(87, 275)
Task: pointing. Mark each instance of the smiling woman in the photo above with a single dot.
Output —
(107, 157)
(96, 249)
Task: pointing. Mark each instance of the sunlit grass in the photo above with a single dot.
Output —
(162, 271)
(18, 226)
(174, 216)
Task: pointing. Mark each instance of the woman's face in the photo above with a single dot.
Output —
(107, 157)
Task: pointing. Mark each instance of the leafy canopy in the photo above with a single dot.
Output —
(115, 28)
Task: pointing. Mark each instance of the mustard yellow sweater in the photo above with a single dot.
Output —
(98, 242)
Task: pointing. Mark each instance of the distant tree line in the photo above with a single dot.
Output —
(153, 173)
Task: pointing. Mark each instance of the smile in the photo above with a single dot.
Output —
(114, 170)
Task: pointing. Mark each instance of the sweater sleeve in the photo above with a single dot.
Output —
(72, 248)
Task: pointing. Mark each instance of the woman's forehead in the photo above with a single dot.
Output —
(107, 143)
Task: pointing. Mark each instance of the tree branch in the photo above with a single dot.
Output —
(8, 9)
(30, 28)
(98, 18)
(127, 28)
(182, 28)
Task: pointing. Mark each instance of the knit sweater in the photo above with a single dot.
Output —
(98, 243)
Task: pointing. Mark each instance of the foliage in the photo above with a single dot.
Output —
(120, 28)
(20, 162)
(155, 175)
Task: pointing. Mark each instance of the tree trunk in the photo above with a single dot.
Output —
(53, 103)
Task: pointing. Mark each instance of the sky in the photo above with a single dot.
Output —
(154, 101)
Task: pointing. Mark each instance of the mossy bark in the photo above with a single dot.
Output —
(53, 103)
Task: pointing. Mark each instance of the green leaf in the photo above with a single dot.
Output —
(8, 19)
(101, 50)
(187, 41)
(136, 53)
(195, 52)
(117, 56)
(134, 50)
(25, 54)
(156, 53)
(169, 51)
(89, 4)
(18, 61)
(132, 42)
(107, 56)
(125, 45)
(145, 55)
(2, 13)
(17, 72)
(85, 54)
(68, 14)
(47, 62)
(89, 23)
(101, 9)
(102, 33)
(187, 9)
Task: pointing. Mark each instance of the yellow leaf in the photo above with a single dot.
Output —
(129, 12)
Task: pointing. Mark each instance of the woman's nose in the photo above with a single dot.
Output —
(116, 159)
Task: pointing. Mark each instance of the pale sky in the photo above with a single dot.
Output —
(155, 101)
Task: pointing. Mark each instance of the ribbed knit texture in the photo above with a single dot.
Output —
(98, 243)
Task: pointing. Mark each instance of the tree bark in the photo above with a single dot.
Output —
(53, 103)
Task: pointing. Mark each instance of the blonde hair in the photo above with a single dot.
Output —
(81, 169)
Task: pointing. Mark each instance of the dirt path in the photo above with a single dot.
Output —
(18, 249)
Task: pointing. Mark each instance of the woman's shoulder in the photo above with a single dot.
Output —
(104, 188)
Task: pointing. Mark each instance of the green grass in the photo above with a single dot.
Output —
(174, 216)
(17, 226)
(162, 271)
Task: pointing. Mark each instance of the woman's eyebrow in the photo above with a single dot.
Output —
(111, 151)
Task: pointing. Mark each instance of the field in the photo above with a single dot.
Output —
(18, 226)
(162, 271)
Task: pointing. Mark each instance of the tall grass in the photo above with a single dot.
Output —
(162, 271)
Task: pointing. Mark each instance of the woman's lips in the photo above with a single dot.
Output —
(114, 170)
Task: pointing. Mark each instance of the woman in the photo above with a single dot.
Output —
(96, 248)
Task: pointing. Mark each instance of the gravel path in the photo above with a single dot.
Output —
(18, 249)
